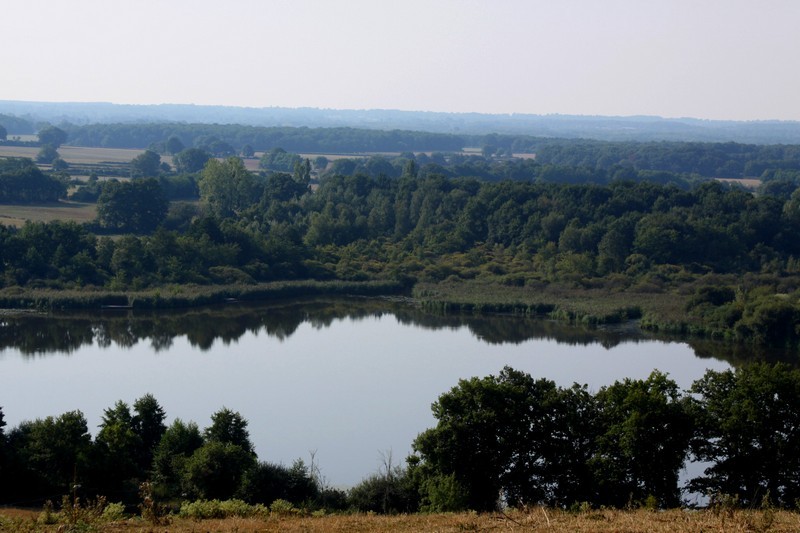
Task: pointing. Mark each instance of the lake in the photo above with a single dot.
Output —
(349, 380)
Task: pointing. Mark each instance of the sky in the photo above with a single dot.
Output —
(711, 59)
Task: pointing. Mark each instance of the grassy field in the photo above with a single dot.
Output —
(534, 519)
(16, 215)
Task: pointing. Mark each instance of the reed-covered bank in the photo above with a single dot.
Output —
(592, 306)
(186, 296)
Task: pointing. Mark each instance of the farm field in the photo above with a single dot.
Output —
(16, 215)
(80, 155)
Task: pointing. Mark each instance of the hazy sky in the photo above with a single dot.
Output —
(718, 59)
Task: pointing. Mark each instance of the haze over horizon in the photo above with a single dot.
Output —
(714, 59)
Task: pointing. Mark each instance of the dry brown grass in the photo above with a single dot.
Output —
(16, 215)
(79, 154)
(535, 519)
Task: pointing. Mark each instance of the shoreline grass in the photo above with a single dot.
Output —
(186, 296)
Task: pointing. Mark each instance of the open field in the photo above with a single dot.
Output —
(534, 519)
(79, 154)
(16, 215)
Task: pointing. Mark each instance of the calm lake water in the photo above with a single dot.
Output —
(350, 380)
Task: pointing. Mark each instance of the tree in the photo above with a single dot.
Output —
(229, 427)
(748, 424)
(146, 164)
(177, 444)
(3, 133)
(247, 151)
(136, 206)
(279, 160)
(22, 181)
(267, 482)
(190, 160)
(645, 430)
(227, 187)
(148, 424)
(174, 145)
(53, 136)
(215, 470)
(492, 437)
(49, 455)
(47, 154)
(117, 449)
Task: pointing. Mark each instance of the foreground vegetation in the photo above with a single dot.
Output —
(512, 521)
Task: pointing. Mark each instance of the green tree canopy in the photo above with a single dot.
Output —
(190, 160)
(53, 136)
(136, 206)
(748, 431)
(47, 154)
(227, 187)
(229, 427)
(146, 165)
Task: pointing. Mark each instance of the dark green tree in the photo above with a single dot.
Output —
(145, 165)
(53, 136)
(215, 470)
(48, 455)
(229, 427)
(174, 145)
(137, 206)
(190, 160)
(148, 425)
(47, 154)
(645, 430)
(177, 444)
(493, 436)
(117, 448)
(748, 431)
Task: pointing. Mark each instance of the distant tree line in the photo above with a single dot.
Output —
(728, 160)
(508, 439)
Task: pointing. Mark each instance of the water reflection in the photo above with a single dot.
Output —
(346, 377)
(39, 334)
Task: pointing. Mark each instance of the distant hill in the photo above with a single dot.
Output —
(634, 128)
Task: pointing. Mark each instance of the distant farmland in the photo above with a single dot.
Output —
(16, 215)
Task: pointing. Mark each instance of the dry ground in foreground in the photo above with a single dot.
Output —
(536, 519)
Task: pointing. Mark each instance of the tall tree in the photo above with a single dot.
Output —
(145, 165)
(138, 206)
(645, 430)
(229, 427)
(148, 424)
(53, 136)
(749, 431)
(190, 160)
(227, 187)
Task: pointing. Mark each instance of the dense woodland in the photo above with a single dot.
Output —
(505, 438)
